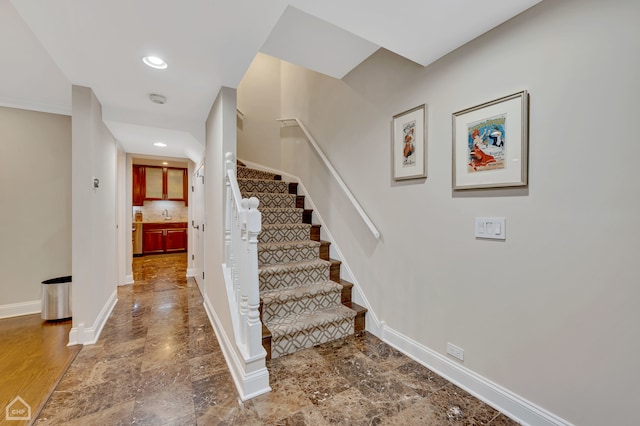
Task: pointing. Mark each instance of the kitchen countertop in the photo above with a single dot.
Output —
(164, 221)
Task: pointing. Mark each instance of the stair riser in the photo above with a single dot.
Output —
(279, 234)
(295, 278)
(307, 338)
(252, 185)
(314, 234)
(307, 302)
(287, 254)
(270, 200)
(273, 217)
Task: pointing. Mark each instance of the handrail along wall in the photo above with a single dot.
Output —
(296, 121)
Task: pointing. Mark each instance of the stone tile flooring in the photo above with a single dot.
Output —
(158, 362)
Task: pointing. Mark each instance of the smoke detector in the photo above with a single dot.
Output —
(158, 99)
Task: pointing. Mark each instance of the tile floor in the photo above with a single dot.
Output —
(158, 362)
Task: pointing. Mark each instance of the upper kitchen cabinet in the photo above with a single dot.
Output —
(154, 186)
(138, 185)
(159, 183)
(176, 184)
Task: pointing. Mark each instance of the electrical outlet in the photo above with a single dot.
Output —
(455, 351)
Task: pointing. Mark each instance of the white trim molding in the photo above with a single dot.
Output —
(251, 378)
(519, 409)
(367, 220)
(19, 309)
(82, 335)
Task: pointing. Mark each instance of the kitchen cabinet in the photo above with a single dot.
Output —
(159, 183)
(176, 184)
(164, 237)
(154, 183)
(138, 185)
(175, 239)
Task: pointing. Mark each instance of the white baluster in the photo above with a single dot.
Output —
(235, 244)
(228, 209)
(244, 272)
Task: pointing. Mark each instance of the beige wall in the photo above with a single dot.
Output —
(35, 188)
(95, 268)
(221, 138)
(550, 314)
(259, 101)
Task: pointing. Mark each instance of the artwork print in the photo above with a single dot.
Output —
(409, 146)
(491, 144)
(487, 144)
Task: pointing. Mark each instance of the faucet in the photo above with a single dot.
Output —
(165, 214)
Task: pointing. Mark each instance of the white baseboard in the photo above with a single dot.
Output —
(128, 279)
(19, 309)
(191, 272)
(519, 409)
(82, 335)
(251, 379)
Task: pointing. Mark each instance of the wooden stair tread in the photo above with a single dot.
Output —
(358, 308)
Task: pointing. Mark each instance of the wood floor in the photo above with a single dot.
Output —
(33, 359)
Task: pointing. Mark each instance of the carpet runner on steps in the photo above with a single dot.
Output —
(301, 306)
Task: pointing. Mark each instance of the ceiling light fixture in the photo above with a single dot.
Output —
(158, 99)
(160, 144)
(164, 163)
(154, 62)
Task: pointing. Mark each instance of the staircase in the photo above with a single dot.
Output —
(304, 302)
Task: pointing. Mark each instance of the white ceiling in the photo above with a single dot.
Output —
(49, 45)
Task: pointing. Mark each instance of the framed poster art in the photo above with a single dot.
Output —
(490, 144)
(409, 144)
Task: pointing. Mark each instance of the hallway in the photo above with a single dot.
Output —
(158, 363)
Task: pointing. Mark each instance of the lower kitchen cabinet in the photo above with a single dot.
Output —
(164, 237)
(175, 239)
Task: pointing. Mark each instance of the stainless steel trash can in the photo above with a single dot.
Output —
(56, 298)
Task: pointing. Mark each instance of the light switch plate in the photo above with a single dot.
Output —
(490, 228)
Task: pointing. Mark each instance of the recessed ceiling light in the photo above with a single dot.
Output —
(154, 62)
(160, 144)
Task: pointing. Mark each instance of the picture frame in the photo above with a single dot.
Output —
(409, 144)
(491, 143)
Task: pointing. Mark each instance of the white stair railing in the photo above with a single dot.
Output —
(243, 223)
(296, 122)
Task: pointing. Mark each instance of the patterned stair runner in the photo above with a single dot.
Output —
(301, 306)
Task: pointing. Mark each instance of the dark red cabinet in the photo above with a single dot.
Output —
(159, 183)
(164, 237)
(138, 185)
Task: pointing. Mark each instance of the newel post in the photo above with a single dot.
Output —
(254, 325)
